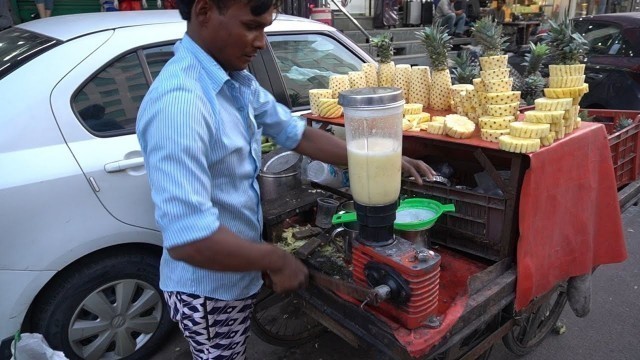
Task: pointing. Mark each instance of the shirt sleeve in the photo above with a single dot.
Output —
(276, 119)
(174, 128)
(443, 8)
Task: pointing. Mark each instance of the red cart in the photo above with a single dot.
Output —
(509, 259)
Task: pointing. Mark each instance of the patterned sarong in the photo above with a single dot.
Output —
(215, 329)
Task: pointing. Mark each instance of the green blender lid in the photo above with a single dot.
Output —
(412, 214)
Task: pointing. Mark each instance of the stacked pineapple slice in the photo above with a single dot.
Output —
(497, 104)
(414, 118)
(464, 101)
(566, 75)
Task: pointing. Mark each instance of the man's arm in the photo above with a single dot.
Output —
(323, 146)
(225, 251)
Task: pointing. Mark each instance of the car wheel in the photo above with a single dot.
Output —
(105, 308)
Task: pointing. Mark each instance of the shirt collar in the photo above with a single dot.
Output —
(214, 73)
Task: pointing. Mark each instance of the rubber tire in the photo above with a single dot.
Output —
(518, 349)
(57, 304)
(263, 332)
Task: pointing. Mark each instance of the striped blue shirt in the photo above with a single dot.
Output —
(200, 129)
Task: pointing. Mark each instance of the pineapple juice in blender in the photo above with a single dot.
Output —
(375, 165)
(373, 127)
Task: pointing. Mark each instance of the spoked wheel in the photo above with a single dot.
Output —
(536, 324)
(279, 320)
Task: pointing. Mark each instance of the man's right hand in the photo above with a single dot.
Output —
(289, 273)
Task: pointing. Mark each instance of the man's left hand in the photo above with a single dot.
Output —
(417, 168)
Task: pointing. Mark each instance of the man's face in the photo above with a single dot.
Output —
(232, 38)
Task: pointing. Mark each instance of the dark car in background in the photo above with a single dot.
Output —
(613, 60)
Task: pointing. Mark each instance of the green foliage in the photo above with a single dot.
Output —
(532, 88)
(584, 116)
(437, 44)
(567, 46)
(488, 34)
(384, 43)
(465, 70)
(533, 60)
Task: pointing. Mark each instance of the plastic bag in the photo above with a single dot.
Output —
(34, 347)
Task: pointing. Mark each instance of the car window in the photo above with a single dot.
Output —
(18, 46)
(307, 60)
(110, 100)
(603, 38)
(157, 57)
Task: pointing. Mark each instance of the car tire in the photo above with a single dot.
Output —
(105, 307)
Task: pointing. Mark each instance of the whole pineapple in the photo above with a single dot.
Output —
(465, 68)
(437, 44)
(386, 67)
(534, 82)
(566, 74)
(488, 34)
(567, 46)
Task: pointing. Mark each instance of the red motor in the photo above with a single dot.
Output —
(412, 275)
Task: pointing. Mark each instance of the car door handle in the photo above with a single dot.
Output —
(123, 164)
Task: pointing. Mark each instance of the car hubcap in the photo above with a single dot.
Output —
(115, 320)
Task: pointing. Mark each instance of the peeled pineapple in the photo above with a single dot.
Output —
(435, 127)
(314, 97)
(420, 85)
(528, 130)
(502, 98)
(357, 79)
(459, 127)
(495, 122)
(497, 86)
(547, 104)
(518, 145)
(370, 71)
(492, 135)
(412, 109)
(338, 83)
(544, 117)
(329, 108)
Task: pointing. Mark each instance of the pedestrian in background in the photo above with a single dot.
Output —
(45, 7)
(497, 13)
(453, 19)
(200, 127)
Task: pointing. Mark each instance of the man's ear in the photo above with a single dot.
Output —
(201, 10)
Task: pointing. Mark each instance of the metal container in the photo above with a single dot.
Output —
(280, 175)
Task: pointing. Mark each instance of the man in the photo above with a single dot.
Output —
(200, 128)
(453, 19)
(497, 13)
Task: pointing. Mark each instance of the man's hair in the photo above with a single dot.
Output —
(258, 7)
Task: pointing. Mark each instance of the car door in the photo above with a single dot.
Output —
(96, 106)
(612, 66)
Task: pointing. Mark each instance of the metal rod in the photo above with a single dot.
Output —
(354, 21)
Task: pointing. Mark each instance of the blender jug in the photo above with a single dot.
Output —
(373, 129)
(373, 126)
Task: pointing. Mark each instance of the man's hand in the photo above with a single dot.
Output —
(417, 168)
(289, 273)
(459, 12)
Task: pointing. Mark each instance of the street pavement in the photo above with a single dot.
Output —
(610, 331)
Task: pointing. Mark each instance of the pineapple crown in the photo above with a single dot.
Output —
(437, 44)
(533, 60)
(567, 46)
(384, 43)
(488, 34)
(465, 69)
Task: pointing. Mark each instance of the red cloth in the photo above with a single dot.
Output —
(569, 213)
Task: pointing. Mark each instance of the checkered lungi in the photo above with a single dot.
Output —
(215, 329)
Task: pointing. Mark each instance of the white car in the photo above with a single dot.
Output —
(80, 247)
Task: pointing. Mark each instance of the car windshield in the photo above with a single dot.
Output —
(604, 38)
(18, 46)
